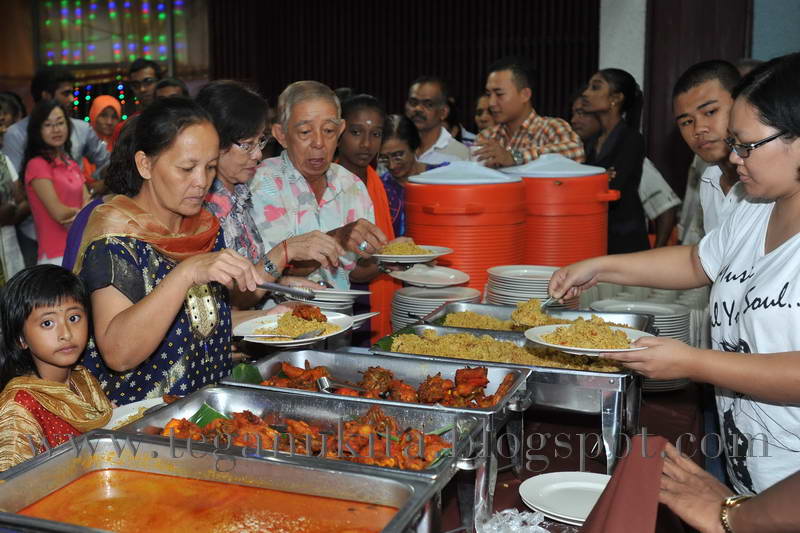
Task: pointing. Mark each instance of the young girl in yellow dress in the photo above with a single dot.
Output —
(46, 398)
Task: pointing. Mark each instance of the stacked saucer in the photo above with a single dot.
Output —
(672, 320)
(419, 301)
(510, 284)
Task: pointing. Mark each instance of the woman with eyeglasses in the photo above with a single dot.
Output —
(398, 149)
(752, 262)
(240, 117)
(53, 180)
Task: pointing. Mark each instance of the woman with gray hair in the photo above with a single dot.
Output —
(302, 190)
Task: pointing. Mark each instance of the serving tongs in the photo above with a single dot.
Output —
(325, 384)
(299, 292)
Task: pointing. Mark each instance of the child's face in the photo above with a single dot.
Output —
(56, 336)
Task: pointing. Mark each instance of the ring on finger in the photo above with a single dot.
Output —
(363, 246)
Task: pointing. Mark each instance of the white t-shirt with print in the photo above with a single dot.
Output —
(755, 308)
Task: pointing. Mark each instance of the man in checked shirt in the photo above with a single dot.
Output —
(521, 135)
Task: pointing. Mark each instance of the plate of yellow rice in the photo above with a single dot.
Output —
(409, 252)
(292, 326)
(586, 337)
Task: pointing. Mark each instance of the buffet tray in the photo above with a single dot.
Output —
(560, 388)
(99, 450)
(643, 322)
(326, 411)
(346, 366)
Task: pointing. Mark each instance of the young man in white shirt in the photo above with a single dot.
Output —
(701, 102)
(427, 108)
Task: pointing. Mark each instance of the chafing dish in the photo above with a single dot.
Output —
(615, 396)
(98, 450)
(346, 366)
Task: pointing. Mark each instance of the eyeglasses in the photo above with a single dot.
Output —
(427, 104)
(397, 157)
(743, 149)
(138, 83)
(252, 147)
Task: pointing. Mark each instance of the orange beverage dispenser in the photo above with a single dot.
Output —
(476, 211)
(566, 210)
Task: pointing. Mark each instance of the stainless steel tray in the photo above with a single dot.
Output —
(325, 411)
(642, 322)
(346, 366)
(615, 396)
(98, 450)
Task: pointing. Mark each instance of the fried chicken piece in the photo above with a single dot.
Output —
(347, 392)
(502, 390)
(434, 389)
(400, 391)
(470, 381)
(377, 379)
(309, 312)
(381, 422)
(182, 429)
(170, 398)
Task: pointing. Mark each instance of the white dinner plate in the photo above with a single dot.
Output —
(128, 410)
(653, 308)
(436, 251)
(564, 495)
(360, 319)
(332, 295)
(245, 329)
(526, 272)
(535, 335)
(431, 276)
(419, 294)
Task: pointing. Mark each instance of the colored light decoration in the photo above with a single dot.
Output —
(90, 47)
(162, 38)
(121, 97)
(122, 102)
(49, 63)
(124, 117)
(117, 46)
(162, 49)
(162, 16)
(146, 48)
(50, 53)
(112, 14)
(132, 46)
(112, 5)
(48, 22)
(86, 119)
(160, 7)
(146, 38)
(76, 102)
(76, 92)
(65, 11)
(65, 52)
(88, 97)
(132, 57)
(127, 5)
(78, 12)
(88, 87)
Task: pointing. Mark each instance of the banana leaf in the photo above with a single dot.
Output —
(247, 373)
(205, 415)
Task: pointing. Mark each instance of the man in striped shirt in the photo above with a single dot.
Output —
(521, 135)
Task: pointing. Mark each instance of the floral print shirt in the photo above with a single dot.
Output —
(234, 211)
(285, 206)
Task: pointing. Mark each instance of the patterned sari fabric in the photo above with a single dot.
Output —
(234, 211)
(196, 349)
(36, 413)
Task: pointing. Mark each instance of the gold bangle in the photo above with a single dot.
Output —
(727, 504)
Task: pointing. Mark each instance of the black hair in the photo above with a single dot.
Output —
(343, 93)
(9, 104)
(48, 80)
(37, 286)
(237, 111)
(35, 145)
(152, 132)
(716, 69)
(773, 88)
(522, 70)
(622, 82)
(444, 87)
(453, 119)
(18, 99)
(141, 63)
(400, 127)
(362, 101)
(173, 82)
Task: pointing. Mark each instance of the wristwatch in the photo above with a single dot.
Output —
(270, 268)
(727, 504)
(516, 155)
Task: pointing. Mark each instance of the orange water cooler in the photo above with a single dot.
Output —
(566, 210)
(478, 212)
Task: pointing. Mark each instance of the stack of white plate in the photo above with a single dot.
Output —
(672, 320)
(337, 300)
(510, 284)
(567, 497)
(418, 301)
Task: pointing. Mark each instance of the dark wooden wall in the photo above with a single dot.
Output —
(679, 34)
(379, 47)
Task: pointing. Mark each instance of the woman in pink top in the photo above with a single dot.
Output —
(53, 181)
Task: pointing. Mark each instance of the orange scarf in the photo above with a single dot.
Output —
(383, 286)
(123, 217)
